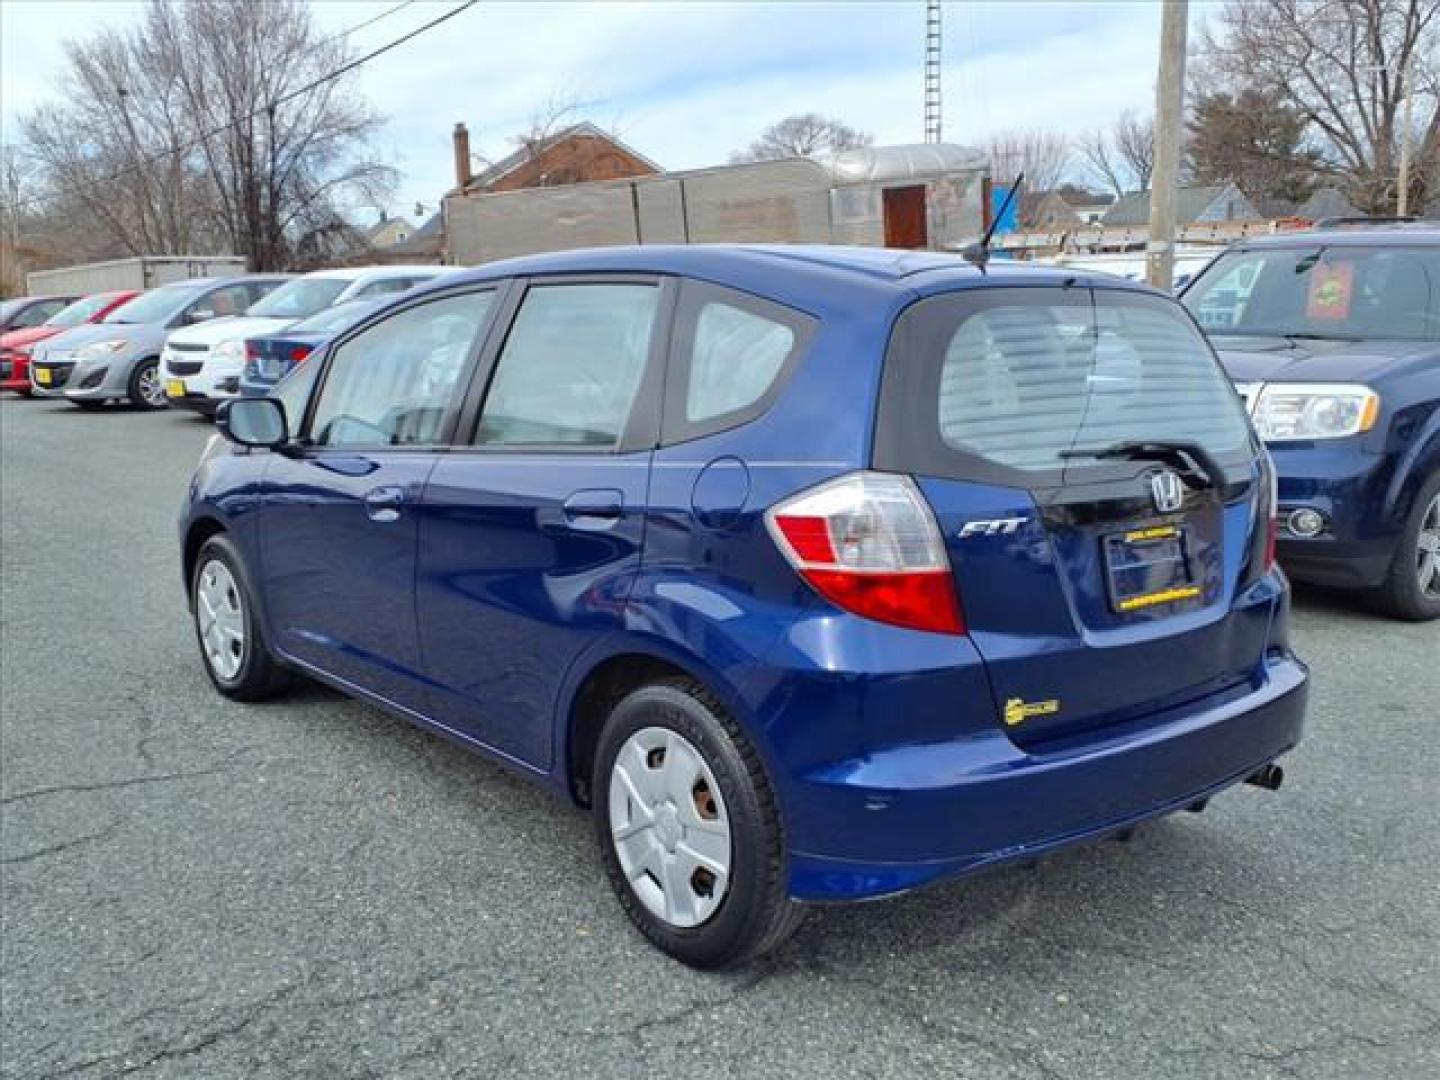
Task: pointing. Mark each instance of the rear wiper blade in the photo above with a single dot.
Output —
(1190, 456)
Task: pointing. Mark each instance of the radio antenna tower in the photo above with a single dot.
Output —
(933, 39)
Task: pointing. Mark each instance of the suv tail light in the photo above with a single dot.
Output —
(252, 351)
(1271, 511)
(868, 543)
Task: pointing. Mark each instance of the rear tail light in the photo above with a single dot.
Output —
(299, 353)
(868, 543)
(252, 351)
(1272, 513)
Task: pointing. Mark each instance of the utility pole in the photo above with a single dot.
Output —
(933, 41)
(1169, 115)
(1402, 200)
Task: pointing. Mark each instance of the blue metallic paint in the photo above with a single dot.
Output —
(883, 744)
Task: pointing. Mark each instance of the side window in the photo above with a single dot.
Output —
(230, 300)
(392, 384)
(258, 290)
(730, 352)
(571, 366)
(1223, 306)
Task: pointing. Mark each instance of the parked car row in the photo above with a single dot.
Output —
(183, 343)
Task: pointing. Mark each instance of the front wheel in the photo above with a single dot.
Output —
(689, 830)
(1411, 589)
(237, 657)
(145, 389)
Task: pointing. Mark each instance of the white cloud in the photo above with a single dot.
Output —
(686, 83)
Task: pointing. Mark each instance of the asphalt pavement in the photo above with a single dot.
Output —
(310, 888)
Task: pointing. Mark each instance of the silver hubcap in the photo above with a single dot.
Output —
(1427, 556)
(669, 826)
(151, 388)
(221, 619)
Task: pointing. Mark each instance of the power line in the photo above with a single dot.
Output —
(368, 22)
(270, 106)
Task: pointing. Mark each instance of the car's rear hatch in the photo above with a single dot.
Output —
(1101, 496)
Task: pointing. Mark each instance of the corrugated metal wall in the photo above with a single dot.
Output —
(145, 272)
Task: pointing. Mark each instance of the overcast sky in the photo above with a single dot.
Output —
(684, 83)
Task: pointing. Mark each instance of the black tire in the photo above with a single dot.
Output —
(134, 389)
(259, 675)
(88, 404)
(1400, 595)
(756, 913)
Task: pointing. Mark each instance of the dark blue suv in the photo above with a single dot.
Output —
(818, 574)
(1333, 338)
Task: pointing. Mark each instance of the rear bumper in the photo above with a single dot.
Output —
(910, 815)
(1338, 563)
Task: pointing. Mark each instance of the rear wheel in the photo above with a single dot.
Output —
(145, 389)
(689, 830)
(237, 657)
(1411, 589)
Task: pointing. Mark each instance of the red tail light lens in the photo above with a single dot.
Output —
(252, 351)
(868, 543)
(299, 353)
(1272, 513)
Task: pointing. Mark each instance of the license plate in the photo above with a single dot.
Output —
(42, 376)
(1148, 567)
(174, 388)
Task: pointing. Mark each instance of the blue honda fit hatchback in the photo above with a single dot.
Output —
(818, 574)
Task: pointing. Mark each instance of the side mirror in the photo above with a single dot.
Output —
(254, 422)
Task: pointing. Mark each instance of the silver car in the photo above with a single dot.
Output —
(118, 358)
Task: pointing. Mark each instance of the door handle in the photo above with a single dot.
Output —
(383, 503)
(598, 507)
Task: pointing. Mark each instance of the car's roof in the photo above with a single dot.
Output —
(1398, 234)
(355, 273)
(791, 272)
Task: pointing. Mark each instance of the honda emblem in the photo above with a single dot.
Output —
(1167, 490)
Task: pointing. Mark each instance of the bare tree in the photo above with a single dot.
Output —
(1121, 157)
(211, 126)
(1043, 156)
(804, 135)
(1346, 68)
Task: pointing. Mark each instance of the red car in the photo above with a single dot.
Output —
(15, 345)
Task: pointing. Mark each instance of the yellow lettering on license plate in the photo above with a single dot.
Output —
(1167, 596)
(42, 376)
(174, 388)
(1157, 532)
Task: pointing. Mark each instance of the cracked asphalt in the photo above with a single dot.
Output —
(193, 888)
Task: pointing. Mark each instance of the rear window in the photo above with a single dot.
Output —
(1020, 385)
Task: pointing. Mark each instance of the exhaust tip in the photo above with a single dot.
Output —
(1270, 777)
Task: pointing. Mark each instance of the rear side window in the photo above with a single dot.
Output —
(1020, 385)
(571, 366)
(731, 352)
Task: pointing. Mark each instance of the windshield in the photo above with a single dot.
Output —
(337, 318)
(82, 311)
(155, 306)
(8, 308)
(1342, 292)
(299, 299)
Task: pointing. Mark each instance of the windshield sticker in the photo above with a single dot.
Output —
(1330, 291)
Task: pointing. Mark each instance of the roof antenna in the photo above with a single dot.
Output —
(978, 254)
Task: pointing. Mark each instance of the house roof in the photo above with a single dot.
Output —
(426, 239)
(1190, 203)
(511, 162)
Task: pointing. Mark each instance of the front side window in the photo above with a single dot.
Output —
(157, 305)
(392, 384)
(1342, 292)
(571, 366)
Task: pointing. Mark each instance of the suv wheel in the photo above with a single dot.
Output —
(236, 655)
(689, 830)
(1412, 588)
(145, 389)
